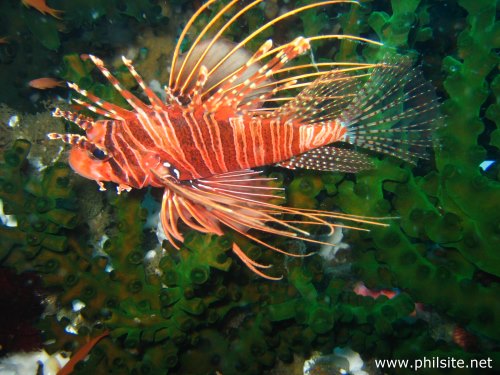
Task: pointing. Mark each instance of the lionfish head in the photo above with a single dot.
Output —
(92, 165)
(87, 156)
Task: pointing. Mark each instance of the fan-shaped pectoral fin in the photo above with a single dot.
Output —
(243, 201)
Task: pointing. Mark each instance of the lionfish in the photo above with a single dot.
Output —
(229, 111)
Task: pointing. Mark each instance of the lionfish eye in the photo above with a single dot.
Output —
(99, 154)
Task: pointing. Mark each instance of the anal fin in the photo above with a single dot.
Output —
(329, 158)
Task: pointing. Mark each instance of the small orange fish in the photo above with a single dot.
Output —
(43, 8)
(4, 40)
(361, 290)
(465, 339)
(81, 354)
(46, 83)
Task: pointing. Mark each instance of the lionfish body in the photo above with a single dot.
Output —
(221, 120)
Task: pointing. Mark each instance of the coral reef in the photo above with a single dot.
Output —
(445, 236)
(197, 310)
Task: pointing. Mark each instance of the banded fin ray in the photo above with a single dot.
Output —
(250, 78)
(185, 70)
(210, 54)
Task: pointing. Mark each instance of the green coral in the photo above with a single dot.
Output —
(448, 227)
(43, 209)
(394, 29)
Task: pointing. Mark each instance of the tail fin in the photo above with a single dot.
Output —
(395, 112)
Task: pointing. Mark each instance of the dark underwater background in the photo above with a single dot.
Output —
(77, 262)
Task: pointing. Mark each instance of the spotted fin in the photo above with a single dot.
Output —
(395, 112)
(330, 158)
